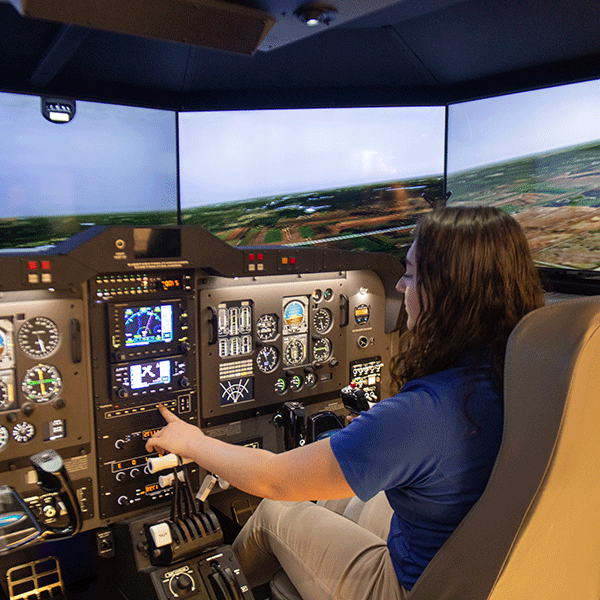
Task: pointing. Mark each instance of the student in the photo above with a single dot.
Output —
(469, 279)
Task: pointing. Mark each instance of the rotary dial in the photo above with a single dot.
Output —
(38, 337)
(42, 383)
(267, 358)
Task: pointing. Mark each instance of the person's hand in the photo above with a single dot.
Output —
(177, 437)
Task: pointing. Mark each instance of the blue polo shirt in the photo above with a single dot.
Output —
(432, 462)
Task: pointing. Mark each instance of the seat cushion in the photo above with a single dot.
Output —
(282, 588)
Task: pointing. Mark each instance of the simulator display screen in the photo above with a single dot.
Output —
(111, 165)
(536, 155)
(349, 178)
(147, 325)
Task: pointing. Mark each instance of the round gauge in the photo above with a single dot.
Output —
(4, 437)
(295, 317)
(281, 386)
(322, 349)
(317, 295)
(267, 327)
(323, 320)
(295, 353)
(328, 294)
(311, 379)
(41, 383)
(23, 432)
(296, 383)
(38, 337)
(267, 358)
(5, 395)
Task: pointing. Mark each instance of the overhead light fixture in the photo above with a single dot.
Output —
(57, 110)
(315, 14)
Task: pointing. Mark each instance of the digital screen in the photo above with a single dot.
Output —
(349, 178)
(536, 155)
(149, 374)
(111, 165)
(149, 433)
(236, 391)
(145, 325)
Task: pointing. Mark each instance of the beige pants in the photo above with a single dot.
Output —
(335, 550)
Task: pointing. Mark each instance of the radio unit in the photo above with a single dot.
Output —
(144, 329)
(155, 376)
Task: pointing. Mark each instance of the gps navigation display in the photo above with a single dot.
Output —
(145, 325)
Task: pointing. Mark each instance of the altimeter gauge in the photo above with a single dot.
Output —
(38, 337)
(267, 359)
(41, 383)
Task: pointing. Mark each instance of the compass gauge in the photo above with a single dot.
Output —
(295, 353)
(38, 337)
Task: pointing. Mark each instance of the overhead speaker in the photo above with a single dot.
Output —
(208, 23)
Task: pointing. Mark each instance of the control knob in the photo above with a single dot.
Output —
(183, 582)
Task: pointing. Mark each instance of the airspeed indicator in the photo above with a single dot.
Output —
(38, 337)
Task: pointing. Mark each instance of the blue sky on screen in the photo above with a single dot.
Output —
(109, 158)
(237, 155)
(492, 130)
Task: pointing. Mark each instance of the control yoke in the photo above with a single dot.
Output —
(18, 525)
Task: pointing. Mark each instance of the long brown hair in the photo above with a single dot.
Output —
(475, 281)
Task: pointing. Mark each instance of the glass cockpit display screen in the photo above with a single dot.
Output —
(146, 325)
(149, 374)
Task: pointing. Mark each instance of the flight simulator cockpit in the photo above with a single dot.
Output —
(252, 344)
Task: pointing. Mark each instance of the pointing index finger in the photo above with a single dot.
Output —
(167, 415)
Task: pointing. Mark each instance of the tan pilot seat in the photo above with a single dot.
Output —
(535, 532)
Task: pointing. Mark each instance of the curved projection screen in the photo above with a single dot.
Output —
(536, 155)
(111, 165)
(350, 178)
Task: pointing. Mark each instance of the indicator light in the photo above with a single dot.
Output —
(261, 257)
(251, 257)
(45, 265)
(32, 265)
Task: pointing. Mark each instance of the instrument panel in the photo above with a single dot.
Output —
(88, 354)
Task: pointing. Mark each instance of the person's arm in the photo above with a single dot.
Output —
(307, 473)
